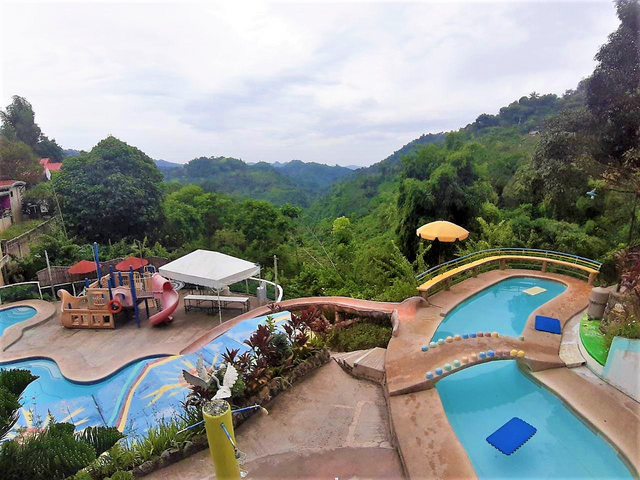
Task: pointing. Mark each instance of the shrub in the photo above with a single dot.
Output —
(100, 438)
(360, 336)
(121, 476)
(630, 328)
(12, 384)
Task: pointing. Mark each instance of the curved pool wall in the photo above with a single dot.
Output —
(482, 398)
(12, 315)
(502, 307)
(133, 398)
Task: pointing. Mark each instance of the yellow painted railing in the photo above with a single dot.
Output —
(445, 272)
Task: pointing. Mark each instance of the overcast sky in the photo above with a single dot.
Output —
(331, 83)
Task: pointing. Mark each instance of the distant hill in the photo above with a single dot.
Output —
(163, 165)
(359, 194)
(70, 152)
(293, 182)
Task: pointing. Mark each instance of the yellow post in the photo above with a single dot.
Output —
(216, 413)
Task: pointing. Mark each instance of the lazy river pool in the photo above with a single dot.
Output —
(480, 399)
(12, 315)
(133, 398)
(503, 308)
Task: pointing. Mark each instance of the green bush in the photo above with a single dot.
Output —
(100, 438)
(630, 328)
(12, 384)
(121, 476)
(20, 292)
(360, 336)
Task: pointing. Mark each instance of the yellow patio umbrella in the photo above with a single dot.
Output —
(442, 231)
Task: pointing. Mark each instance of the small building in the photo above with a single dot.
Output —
(10, 202)
(48, 166)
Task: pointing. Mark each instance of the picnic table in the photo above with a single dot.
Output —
(211, 303)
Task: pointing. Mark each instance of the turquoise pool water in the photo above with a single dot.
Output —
(502, 308)
(133, 398)
(480, 399)
(11, 316)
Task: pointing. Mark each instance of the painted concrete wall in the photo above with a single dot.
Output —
(623, 366)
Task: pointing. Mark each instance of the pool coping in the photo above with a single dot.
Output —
(45, 311)
(431, 451)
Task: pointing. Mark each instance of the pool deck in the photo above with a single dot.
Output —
(427, 444)
(329, 425)
(425, 441)
(87, 354)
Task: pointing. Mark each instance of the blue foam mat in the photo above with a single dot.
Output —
(511, 436)
(548, 324)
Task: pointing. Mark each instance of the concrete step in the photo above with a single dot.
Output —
(367, 364)
(371, 365)
(571, 356)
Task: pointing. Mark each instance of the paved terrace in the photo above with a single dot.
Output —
(90, 354)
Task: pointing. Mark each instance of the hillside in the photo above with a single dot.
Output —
(512, 132)
(164, 165)
(294, 182)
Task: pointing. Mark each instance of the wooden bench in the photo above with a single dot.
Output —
(446, 276)
(211, 302)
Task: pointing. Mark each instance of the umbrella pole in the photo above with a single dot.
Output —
(219, 309)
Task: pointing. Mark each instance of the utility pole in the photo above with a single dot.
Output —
(53, 292)
(275, 268)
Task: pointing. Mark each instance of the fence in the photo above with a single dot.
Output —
(581, 269)
(19, 246)
(61, 276)
(20, 291)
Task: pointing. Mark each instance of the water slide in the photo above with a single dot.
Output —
(163, 291)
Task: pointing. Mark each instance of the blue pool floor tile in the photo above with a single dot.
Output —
(511, 436)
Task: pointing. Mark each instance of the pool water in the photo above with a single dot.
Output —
(134, 398)
(502, 308)
(482, 398)
(13, 315)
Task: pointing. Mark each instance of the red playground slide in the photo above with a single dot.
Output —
(163, 291)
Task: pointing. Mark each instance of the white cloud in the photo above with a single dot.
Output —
(325, 82)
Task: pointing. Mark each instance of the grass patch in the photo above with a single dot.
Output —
(593, 340)
(360, 336)
(18, 229)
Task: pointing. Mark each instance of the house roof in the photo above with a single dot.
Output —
(53, 166)
(44, 161)
(6, 184)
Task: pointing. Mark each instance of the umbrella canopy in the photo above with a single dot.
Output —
(134, 262)
(82, 267)
(442, 231)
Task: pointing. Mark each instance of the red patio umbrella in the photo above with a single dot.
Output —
(82, 268)
(134, 262)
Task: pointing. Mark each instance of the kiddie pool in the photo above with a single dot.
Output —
(480, 399)
(133, 398)
(12, 315)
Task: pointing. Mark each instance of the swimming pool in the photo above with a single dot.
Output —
(480, 399)
(503, 308)
(11, 316)
(133, 398)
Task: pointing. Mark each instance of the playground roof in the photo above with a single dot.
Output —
(209, 269)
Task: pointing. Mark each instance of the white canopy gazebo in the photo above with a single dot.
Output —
(214, 270)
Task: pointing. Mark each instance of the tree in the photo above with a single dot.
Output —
(49, 149)
(18, 122)
(18, 162)
(450, 185)
(110, 193)
(613, 100)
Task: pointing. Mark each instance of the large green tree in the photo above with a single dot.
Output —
(441, 183)
(110, 193)
(18, 162)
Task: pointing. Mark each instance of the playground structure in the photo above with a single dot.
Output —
(106, 297)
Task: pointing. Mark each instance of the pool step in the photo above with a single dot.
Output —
(367, 364)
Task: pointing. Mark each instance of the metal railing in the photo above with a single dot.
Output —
(504, 252)
(19, 296)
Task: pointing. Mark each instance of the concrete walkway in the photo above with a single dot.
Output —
(329, 425)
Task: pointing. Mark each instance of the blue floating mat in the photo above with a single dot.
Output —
(511, 436)
(548, 324)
